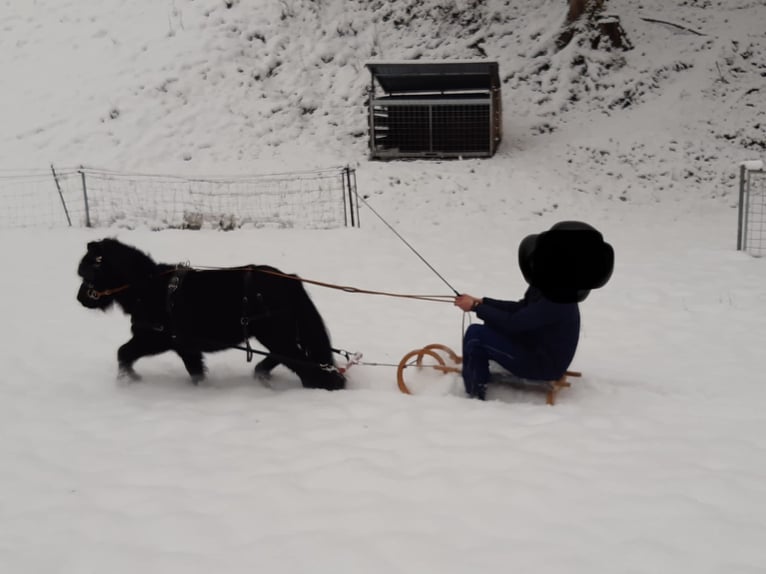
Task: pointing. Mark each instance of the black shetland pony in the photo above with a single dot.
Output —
(173, 308)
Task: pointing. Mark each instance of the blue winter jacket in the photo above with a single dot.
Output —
(548, 331)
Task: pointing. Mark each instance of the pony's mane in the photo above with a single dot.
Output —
(129, 260)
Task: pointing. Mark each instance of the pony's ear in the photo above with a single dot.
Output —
(98, 247)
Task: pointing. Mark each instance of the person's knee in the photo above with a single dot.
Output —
(474, 331)
(473, 337)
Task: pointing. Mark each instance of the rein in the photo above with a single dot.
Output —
(345, 288)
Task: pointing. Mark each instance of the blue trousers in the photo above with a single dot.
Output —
(480, 344)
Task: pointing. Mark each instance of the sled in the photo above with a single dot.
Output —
(447, 361)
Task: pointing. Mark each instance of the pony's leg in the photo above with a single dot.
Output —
(194, 363)
(279, 345)
(136, 348)
(263, 369)
(312, 376)
(283, 344)
(326, 377)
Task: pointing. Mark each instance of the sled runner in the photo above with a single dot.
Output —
(447, 361)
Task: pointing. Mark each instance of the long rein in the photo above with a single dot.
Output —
(345, 288)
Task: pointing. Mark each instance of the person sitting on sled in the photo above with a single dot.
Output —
(536, 338)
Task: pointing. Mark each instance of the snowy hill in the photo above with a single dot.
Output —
(213, 86)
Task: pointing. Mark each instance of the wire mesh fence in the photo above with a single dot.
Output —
(751, 230)
(319, 199)
(30, 198)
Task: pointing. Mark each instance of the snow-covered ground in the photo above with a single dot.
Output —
(653, 462)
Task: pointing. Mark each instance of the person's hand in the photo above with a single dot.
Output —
(467, 302)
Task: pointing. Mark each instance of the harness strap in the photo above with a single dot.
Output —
(245, 319)
(170, 298)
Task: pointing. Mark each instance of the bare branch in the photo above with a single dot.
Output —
(655, 21)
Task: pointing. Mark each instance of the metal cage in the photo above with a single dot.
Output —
(434, 110)
(751, 227)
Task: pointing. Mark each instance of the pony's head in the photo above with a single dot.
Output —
(106, 269)
(96, 278)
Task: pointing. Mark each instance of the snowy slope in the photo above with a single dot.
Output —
(196, 86)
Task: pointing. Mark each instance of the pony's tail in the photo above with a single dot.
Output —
(313, 333)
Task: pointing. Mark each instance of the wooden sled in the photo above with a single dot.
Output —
(447, 361)
(428, 351)
(551, 388)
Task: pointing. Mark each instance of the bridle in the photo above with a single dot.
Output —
(94, 294)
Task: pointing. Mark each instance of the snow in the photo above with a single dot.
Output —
(652, 462)
(753, 165)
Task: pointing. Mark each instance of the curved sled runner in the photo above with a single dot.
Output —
(447, 361)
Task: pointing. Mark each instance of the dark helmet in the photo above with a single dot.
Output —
(566, 262)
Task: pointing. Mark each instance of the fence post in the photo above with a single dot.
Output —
(741, 207)
(356, 199)
(61, 196)
(351, 186)
(345, 189)
(85, 197)
(347, 173)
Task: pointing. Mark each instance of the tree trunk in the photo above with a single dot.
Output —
(589, 14)
(579, 7)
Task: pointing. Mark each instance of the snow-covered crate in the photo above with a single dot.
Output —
(434, 109)
(751, 228)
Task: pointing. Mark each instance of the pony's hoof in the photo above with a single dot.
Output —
(261, 375)
(128, 375)
(197, 379)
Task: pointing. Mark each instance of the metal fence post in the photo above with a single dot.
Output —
(347, 173)
(356, 199)
(61, 196)
(343, 187)
(85, 198)
(741, 208)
